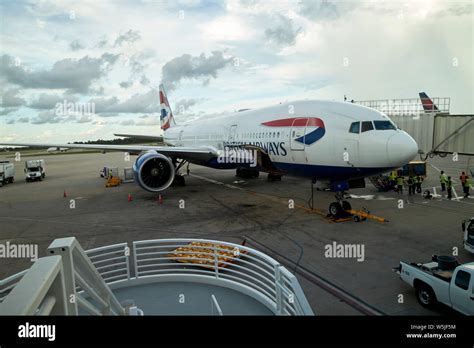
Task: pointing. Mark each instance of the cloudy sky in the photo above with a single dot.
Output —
(219, 56)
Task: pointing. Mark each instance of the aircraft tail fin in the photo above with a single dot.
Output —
(166, 115)
(427, 103)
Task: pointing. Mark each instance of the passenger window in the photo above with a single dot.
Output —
(462, 280)
(367, 126)
(355, 127)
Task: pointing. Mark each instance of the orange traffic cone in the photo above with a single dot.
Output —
(129, 197)
(64, 194)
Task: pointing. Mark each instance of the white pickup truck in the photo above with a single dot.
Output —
(443, 280)
(468, 240)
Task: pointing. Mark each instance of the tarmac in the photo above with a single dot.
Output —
(219, 206)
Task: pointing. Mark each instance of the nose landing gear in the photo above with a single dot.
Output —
(339, 208)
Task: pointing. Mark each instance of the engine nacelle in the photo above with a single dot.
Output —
(153, 171)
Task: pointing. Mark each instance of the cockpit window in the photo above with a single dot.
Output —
(355, 127)
(383, 125)
(367, 125)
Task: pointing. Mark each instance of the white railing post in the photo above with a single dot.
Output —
(65, 251)
(216, 261)
(278, 290)
(215, 305)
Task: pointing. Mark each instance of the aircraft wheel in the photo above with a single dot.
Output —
(335, 209)
(256, 174)
(356, 218)
(179, 181)
(346, 205)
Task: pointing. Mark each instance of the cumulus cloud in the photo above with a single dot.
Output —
(77, 75)
(284, 33)
(189, 67)
(129, 37)
(76, 45)
(126, 84)
(184, 105)
(48, 116)
(148, 102)
(18, 120)
(10, 98)
(320, 9)
(138, 103)
(127, 123)
(49, 101)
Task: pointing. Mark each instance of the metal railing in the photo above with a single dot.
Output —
(407, 106)
(89, 275)
(225, 261)
(41, 290)
(74, 284)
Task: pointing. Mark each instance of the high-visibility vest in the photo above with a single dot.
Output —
(443, 178)
(400, 181)
(467, 183)
(449, 184)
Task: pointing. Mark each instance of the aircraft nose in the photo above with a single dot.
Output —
(401, 149)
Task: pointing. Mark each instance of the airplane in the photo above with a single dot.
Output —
(427, 103)
(336, 144)
(57, 149)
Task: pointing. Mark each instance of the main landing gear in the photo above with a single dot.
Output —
(178, 178)
(247, 173)
(339, 208)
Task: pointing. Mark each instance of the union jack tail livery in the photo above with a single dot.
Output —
(166, 115)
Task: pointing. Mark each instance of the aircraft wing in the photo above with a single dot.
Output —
(141, 137)
(201, 153)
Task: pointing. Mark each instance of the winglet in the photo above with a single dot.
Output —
(166, 115)
(427, 103)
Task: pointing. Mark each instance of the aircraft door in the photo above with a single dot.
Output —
(232, 133)
(297, 134)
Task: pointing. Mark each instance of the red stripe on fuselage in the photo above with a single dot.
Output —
(296, 122)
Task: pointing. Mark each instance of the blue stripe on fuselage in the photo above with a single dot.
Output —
(309, 170)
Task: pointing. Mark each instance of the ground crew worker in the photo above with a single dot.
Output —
(462, 178)
(419, 181)
(400, 180)
(442, 179)
(449, 187)
(392, 180)
(411, 185)
(467, 186)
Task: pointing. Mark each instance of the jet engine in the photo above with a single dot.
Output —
(153, 171)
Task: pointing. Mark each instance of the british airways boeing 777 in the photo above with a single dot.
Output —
(331, 142)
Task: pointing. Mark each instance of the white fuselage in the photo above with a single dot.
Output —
(307, 138)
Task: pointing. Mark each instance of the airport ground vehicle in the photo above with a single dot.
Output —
(35, 170)
(7, 172)
(443, 280)
(468, 229)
